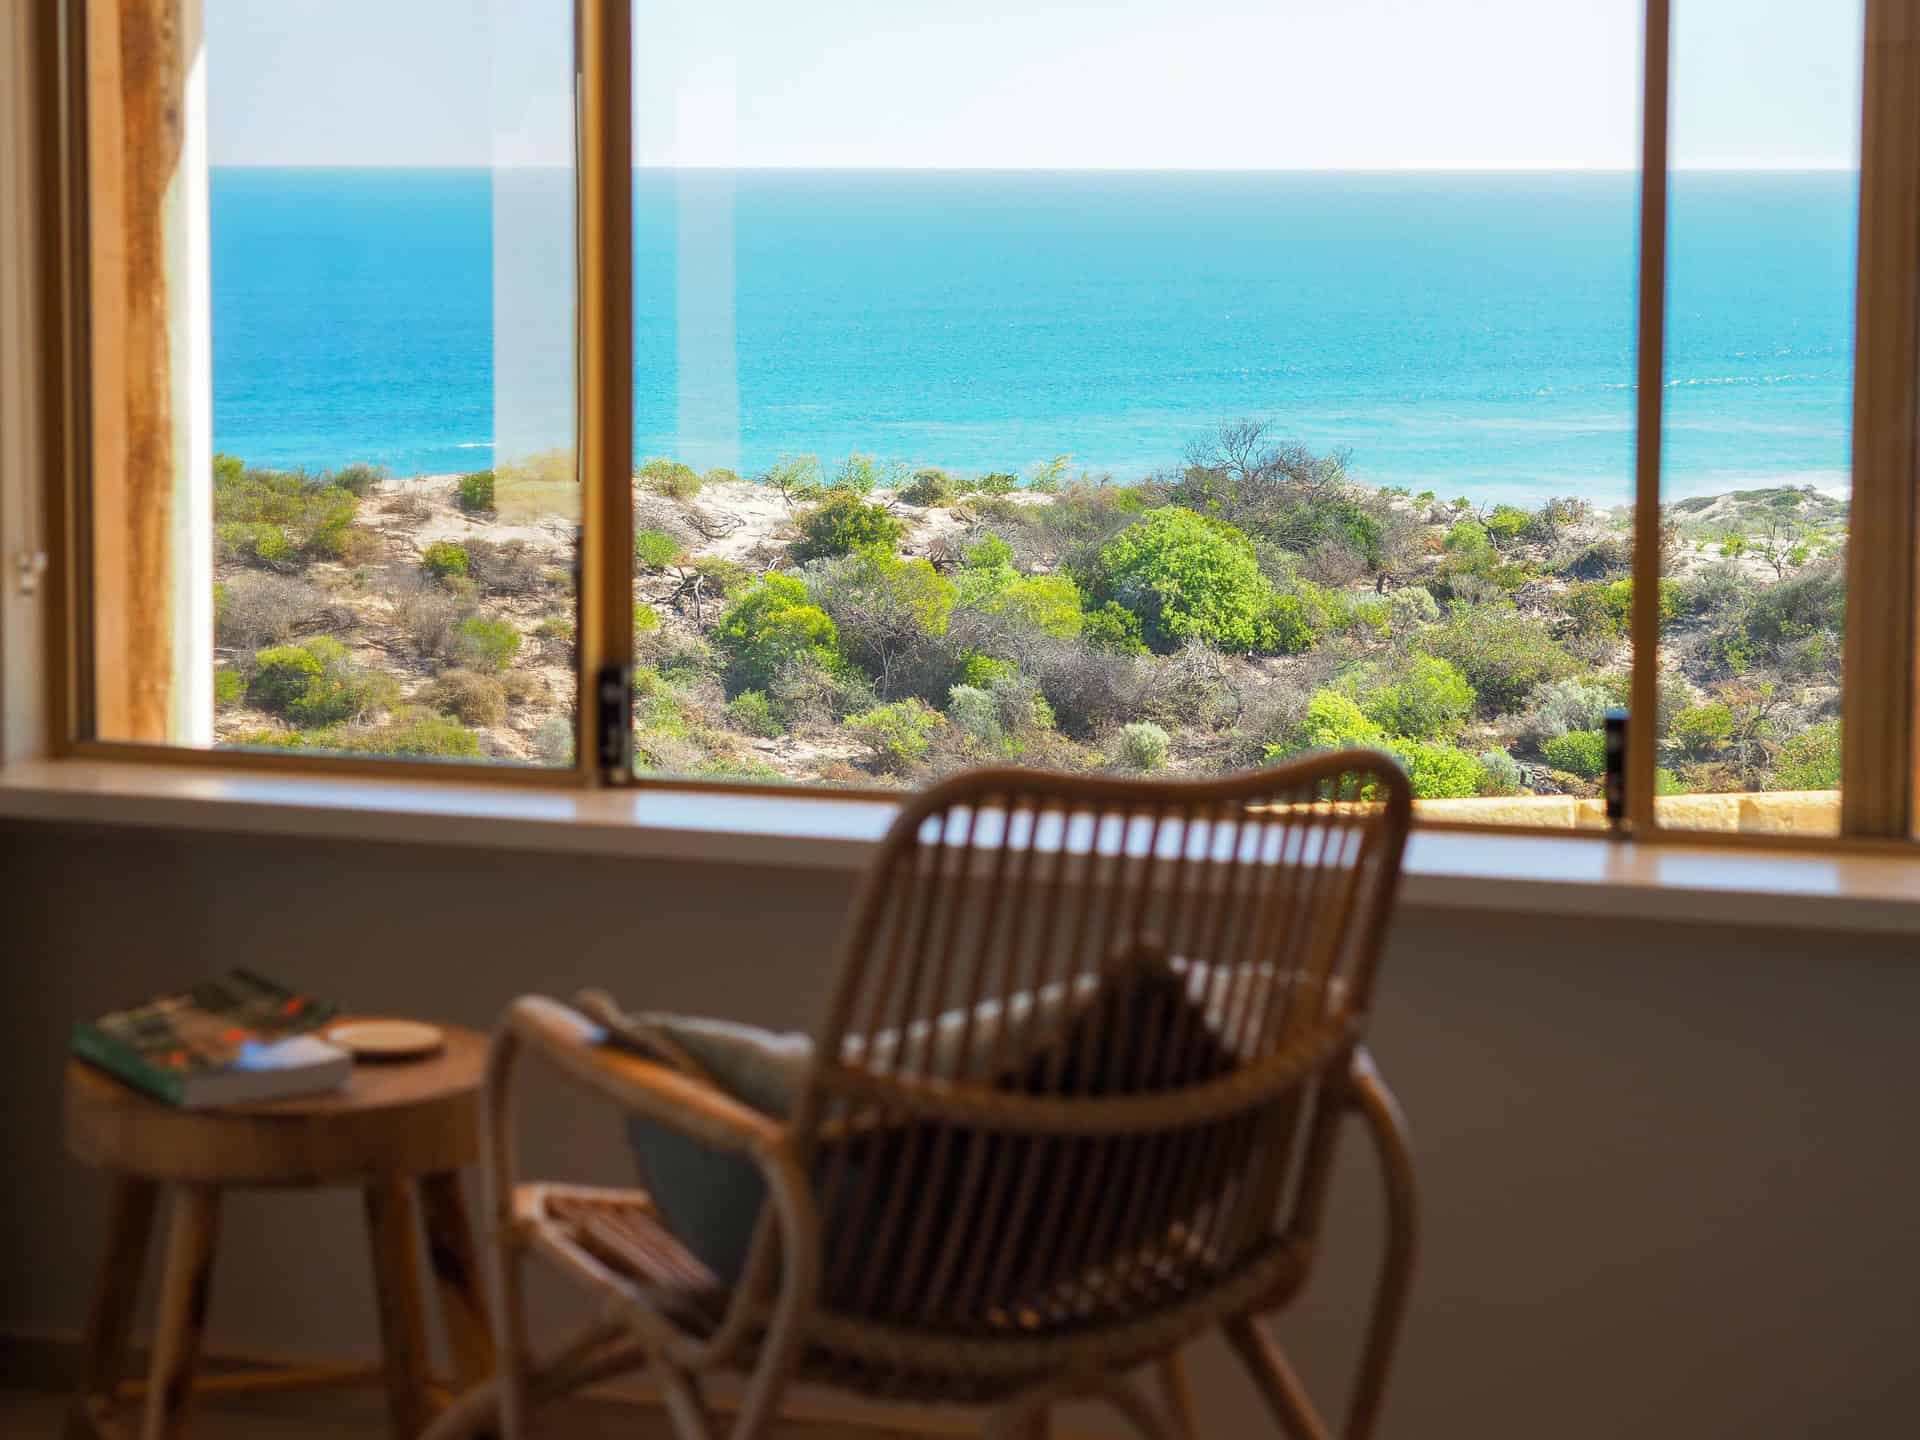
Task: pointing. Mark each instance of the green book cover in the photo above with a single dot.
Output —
(158, 1047)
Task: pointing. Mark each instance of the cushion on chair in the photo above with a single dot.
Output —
(712, 1199)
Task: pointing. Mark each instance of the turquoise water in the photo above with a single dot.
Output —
(1471, 333)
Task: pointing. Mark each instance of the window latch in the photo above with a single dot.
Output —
(30, 565)
(616, 720)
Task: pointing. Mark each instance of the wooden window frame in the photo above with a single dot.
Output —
(1881, 745)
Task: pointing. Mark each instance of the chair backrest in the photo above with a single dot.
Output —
(1062, 1073)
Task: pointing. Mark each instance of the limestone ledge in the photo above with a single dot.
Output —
(1782, 812)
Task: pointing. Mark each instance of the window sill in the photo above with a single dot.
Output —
(1584, 876)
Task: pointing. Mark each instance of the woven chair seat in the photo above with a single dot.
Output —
(638, 1261)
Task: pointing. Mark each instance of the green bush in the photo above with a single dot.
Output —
(358, 479)
(655, 549)
(1336, 722)
(752, 714)
(1290, 626)
(929, 487)
(229, 685)
(1503, 653)
(416, 734)
(1115, 629)
(1410, 607)
(556, 627)
(1578, 752)
(842, 523)
(1500, 773)
(671, 479)
(315, 683)
(275, 518)
(553, 741)
(468, 696)
(1188, 578)
(1049, 604)
(1507, 524)
(475, 492)
(486, 645)
(900, 734)
(770, 627)
(973, 710)
(1700, 732)
(981, 670)
(645, 618)
(1427, 700)
(267, 740)
(1438, 771)
(1809, 761)
(1142, 746)
(444, 558)
(888, 612)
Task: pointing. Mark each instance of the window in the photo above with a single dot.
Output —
(1000, 386)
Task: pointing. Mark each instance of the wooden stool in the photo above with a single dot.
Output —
(392, 1127)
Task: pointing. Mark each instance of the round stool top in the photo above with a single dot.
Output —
(391, 1119)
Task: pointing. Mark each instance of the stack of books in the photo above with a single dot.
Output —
(226, 1041)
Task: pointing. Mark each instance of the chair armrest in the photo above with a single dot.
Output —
(576, 1047)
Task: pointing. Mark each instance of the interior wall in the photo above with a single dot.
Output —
(1665, 1172)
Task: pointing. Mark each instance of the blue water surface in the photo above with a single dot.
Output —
(1470, 333)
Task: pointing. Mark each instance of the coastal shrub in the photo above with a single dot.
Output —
(1090, 689)
(358, 479)
(720, 475)
(929, 488)
(1503, 653)
(888, 612)
(428, 616)
(484, 644)
(316, 682)
(1578, 752)
(1188, 578)
(752, 713)
(1700, 732)
(256, 542)
(861, 474)
(469, 696)
(655, 549)
(555, 627)
(475, 492)
(842, 523)
(975, 712)
(1809, 761)
(553, 741)
(1426, 698)
(794, 476)
(981, 670)
(670, 478)
(1508, 524)
(1602, 560)
(229, 685)
(1557, 706)
(514, 568)
(1410, 607)
(349, 544)
(808, 692)
(1813, 602)
(264, 739)
(1437, 771)
(276, 517)
(645, 617)
(1335, 721)
(769, 627)
(445, 558)
(1143, 746)
(1115, 629)
(1500, 773)
(255, 609)
(1049, 604)
(899, 734)
(1289, 625)
(415, 733)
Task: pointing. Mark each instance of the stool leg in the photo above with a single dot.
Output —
(115, 1288)
(456, 1273)
(393, 1226)
(183, 1310)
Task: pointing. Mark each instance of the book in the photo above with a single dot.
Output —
(225, 1041)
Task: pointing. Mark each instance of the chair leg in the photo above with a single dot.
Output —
(392, 1221)
(115, 1289)
(1176, 1394)
(1388, 1127)
(183, 1311)
(1280, 1387)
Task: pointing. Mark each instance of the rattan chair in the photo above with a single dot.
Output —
(1075, 1205)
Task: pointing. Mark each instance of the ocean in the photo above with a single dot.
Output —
(1470, 333)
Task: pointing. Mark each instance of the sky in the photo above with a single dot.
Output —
(1068, 84)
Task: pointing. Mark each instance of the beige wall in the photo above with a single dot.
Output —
(1669, 1178)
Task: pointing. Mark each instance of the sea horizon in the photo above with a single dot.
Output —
(1460, 330)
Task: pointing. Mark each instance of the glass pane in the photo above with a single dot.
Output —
(1759, 405)
(362, 533)
(1011, 390)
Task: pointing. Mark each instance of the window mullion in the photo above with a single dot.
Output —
(605, 154)
(1655, 79)
(1878, 738)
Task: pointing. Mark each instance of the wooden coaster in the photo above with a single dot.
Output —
(387, 1039)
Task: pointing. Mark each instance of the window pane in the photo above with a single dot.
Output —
(354, 510)
(1756, 453)
(1026, 384)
